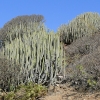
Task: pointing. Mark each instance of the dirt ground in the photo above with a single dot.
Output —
(65, 92)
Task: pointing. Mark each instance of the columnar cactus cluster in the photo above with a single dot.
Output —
(23, 23)
(83, 25)
(40, 55)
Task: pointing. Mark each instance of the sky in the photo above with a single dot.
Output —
(55, 12)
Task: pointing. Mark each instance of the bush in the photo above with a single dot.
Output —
(29, 91)
(83, 70)
(9, 74)
(83, 46)
(84, 74)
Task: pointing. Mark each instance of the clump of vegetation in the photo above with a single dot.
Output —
(39, 54)
(9, 74)
(83, 70)
(28, 91)
(82, 47)
(21, 25)
(83, 25)
(85, 79)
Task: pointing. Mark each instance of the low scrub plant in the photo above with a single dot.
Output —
(28, 91)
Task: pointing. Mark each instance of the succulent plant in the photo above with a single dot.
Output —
(83, 25)
(39, 53)
(23, 23)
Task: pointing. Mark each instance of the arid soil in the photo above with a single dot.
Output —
(66, 92)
